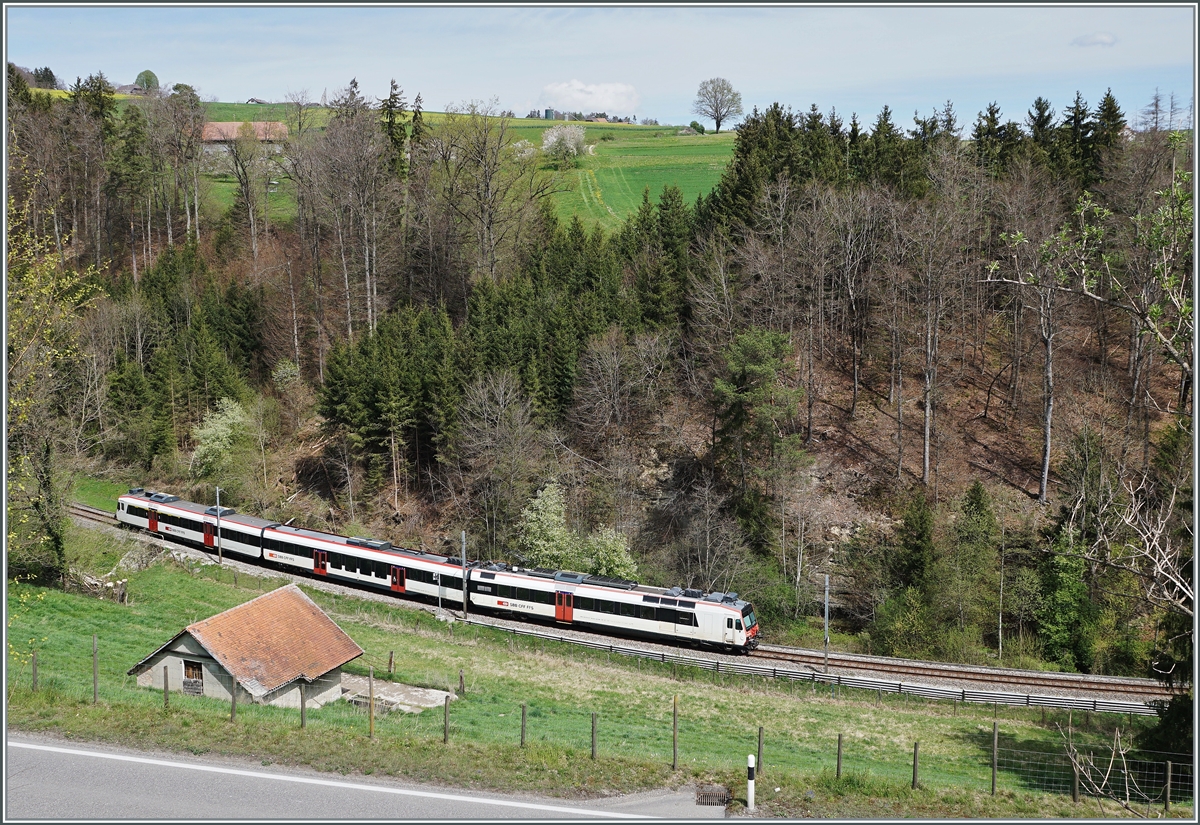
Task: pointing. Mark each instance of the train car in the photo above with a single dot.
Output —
(599, 603)
(171, 517)
(617, 606)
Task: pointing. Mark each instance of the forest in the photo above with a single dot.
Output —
(947, 365)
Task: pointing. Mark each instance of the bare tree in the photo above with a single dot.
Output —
(717, 100)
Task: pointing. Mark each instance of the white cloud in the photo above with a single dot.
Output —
(1095, 39)
(577, 96)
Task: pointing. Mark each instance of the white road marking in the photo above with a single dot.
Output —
(506, 803)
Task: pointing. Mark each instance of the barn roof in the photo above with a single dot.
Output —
(271, 641)
(227, 130)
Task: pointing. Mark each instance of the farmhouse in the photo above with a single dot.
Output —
(268, 650)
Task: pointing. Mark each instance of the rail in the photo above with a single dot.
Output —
(879, 685)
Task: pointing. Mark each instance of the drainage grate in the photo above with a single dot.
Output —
(712, 795)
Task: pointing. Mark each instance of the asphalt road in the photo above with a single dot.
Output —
(50, 778)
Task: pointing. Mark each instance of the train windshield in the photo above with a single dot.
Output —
(748, 616)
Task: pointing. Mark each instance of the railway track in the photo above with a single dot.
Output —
(93, 514)
(904, 669)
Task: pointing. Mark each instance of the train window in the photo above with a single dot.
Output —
(452, 582)
(584, 603)
(729, 623)
(670, 602)
(606, 606)
(628, 609)
(666, 614)
(685, 618)
(738, 624)
(506, 591)
(648, 612)
(523, 593)
(650, 599)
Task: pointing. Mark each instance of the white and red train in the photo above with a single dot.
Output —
(599, 603)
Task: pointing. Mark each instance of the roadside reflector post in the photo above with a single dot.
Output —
(522, 725)
(593, 734)
(995, 752)
(95, 671)
(166, 687)
(839, 762)
(675, 733)
(916, 762)
(371, 703)
(750, 782)
(446, 722)
(759, 762)
(35, 671)
(233, 701)
(303, 709)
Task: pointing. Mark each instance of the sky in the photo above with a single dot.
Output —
(642, 61)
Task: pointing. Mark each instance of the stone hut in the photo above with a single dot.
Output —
(269, 649)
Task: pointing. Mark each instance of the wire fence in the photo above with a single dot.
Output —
(1134, 777)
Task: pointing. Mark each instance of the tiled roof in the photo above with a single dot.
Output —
(275, 639)
(228, 130)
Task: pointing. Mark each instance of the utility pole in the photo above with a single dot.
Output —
(826, 622)
(220, 557)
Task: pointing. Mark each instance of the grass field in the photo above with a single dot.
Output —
(561, 686)
(607, 186)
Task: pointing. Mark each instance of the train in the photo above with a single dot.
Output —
(596, 603)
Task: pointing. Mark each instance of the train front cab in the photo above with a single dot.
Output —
(749, 623)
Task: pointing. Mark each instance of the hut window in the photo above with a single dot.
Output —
(192, 670)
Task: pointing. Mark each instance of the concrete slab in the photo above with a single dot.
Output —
(392, 696)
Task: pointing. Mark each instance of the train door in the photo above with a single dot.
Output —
(152, 526)
(208, 535)
(320, 557)
(564, 606)
(398, 579)
(729, 631)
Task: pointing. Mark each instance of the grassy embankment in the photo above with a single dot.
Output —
(562, 686)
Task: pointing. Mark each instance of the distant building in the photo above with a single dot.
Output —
(550, 114)
(226, 131)
(130, 89)
(256, 100)
(268, 650)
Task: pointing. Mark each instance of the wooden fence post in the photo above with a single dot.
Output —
(303, 708)
(35, 671)
(675, 733)
(522, 725)
(1074, 783)
(446, 722)
(166, 687)
(839, 762)
(1167, 790)
(995, 752)
(759, 761)
(95, 671)
(593, 734)
(916, 762)
(371, 703)
(462, 685)
(391, 659)
(233, 701)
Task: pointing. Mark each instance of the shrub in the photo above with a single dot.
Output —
(695, 124)
(563, 143)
